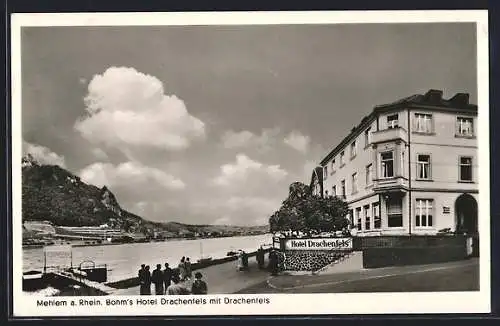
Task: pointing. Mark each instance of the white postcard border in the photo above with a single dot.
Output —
(356, 303)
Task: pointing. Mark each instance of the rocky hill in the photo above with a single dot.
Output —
(51, 193)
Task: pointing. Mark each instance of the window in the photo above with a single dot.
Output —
(367, 217)
(387, 164)
(392, 121)
(353, 149)
(354, 183)
(403, 165)
(358, 218)
(325, 172)
(423, 167)
(394, 212)
(334, 191)
(465, 168)
(369, 174)
(367, 137)
(351, 216)
(342, 158)
(342, 184)
(377, 221)
(423, 216)
(333, 166)
(317, 189)
(326, 193)
(423, 123)
(464, 126)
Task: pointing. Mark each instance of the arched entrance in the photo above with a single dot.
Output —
(466, 214)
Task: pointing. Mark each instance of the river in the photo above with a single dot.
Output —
(124, 260)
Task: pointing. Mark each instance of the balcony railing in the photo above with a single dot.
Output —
(390, 184)
(387, 135)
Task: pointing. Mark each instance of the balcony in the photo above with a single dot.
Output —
(388, 135)
(394, 184)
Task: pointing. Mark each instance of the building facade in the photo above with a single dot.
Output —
(409, 167)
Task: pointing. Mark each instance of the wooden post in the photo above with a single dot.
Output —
(44, 261)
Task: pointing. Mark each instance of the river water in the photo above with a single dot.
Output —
(124, 260)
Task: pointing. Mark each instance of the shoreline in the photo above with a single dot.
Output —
(134, 281)
(76, 245)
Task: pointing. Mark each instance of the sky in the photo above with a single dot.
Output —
(211, 124)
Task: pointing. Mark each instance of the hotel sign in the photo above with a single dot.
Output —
(319, 244)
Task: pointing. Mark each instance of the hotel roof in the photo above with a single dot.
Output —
(433, 99)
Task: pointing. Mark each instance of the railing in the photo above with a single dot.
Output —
(391, 134)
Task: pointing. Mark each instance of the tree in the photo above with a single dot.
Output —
(303, 211)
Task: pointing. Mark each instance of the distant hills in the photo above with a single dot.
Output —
(51, 193)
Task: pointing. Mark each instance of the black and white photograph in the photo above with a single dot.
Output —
(227, 163)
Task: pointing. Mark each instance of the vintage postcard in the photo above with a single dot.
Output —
(250, 163)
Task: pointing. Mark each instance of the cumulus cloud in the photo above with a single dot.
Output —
(297, 141)
(127, 109)
(132, 175)
(232, 139)
(243, 167)
(43, 154)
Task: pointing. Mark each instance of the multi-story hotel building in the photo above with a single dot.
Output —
(409, 167)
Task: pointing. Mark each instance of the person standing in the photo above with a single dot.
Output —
(167, 276)
(240, 260)
(244, 259)
(260, 257)
(147, 281)
(157, 279)
(273, 262)
(189, 271)
(199, 286)
(182, 268)
(142, 281)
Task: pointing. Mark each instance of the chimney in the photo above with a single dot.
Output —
(460, 99)
(434, 96)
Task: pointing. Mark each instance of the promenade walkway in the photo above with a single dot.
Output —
(221, 279)
(451, 276)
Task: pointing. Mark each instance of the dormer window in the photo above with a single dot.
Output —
(392, 121)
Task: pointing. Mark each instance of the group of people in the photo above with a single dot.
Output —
(171, 281)
(260, 256)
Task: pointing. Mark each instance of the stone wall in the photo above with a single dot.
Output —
(309, 260)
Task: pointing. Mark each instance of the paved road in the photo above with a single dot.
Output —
(453, 276)
(222, 279)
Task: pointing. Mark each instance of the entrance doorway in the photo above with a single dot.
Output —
(466, 214)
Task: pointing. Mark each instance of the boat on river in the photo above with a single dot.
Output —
(203, 259)
(33, 280)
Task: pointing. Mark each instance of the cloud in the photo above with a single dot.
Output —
(243, 168)
(309, 167)
(263, 142)
(43, 154)
(132, 175)
(99, 154)
(297, 141)
(242, 210)
(127, 109)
